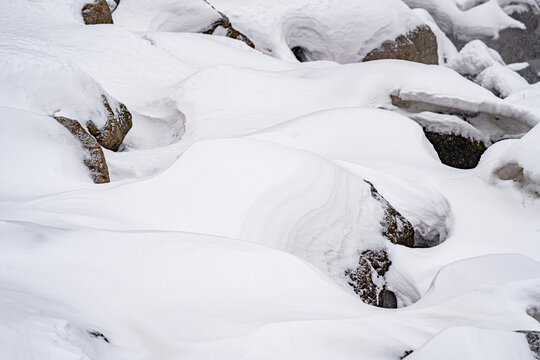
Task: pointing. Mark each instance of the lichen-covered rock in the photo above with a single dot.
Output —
(94, 158)
(116, 128)
(396, 228)
(533, 338)
(456, 150)
(419, 45)
(224, 27)
(367, 280)
(97, 12)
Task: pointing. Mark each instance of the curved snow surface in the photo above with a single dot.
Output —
(178, 294)
(240, 199)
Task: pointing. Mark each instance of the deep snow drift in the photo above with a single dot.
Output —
(260, 207)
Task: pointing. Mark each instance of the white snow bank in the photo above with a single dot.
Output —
(519, 163)
(483, 20)
(466, 343)
(339, 30)
(487, 69)
(280, 197)
(166, 295)
(38, 156)
(263, 99)
(44, 85)
(165, 15)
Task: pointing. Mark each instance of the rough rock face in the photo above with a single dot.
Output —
(367, 279)
(533, 338)
(516, 45)
(456, 150)
(115, 130)
(223, 26)
(94, 158)
(396, 228)
(419, 45)
(97, 12)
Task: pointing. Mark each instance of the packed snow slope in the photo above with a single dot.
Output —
(255, 194)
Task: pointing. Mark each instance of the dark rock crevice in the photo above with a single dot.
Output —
(455, 150)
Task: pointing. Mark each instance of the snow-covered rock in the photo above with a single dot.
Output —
(322, 29)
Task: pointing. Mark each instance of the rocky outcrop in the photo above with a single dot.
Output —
(223, 26)
(395, 227)
(419, 45)
(97, 12)
(367, 280)
(94, 159)
(116, 128)
(533, 338)
(455, 150)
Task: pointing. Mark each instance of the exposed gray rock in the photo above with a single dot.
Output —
(94, 159)
(419, 45)
(97, 12)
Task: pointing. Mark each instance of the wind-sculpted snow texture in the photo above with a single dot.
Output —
(167, 193)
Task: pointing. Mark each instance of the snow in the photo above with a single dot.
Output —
(240, 198)
(165, 15)
(485, 19)
(327, 29)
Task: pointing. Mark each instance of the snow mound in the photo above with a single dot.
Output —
(469, 343)
(475, 19)
(50, 87)
(38, 156)
(520, 162)
(326, 29)
(165, 15)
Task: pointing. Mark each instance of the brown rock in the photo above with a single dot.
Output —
(94, 158)
(367, 278)
(224, 24)
(396, 228)
(97, 12)
(116, 128)
(455, 150)
(419, 45)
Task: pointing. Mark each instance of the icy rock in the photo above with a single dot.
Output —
(97, 12)
(94, 159)
(119, 122)
(419, 45)
(473, 58)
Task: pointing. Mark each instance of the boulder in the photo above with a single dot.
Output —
(97, 12)
(456, 150)
(94, 158)
(419, 45)
(119, 122)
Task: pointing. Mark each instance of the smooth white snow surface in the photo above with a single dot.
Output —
(240, 199)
